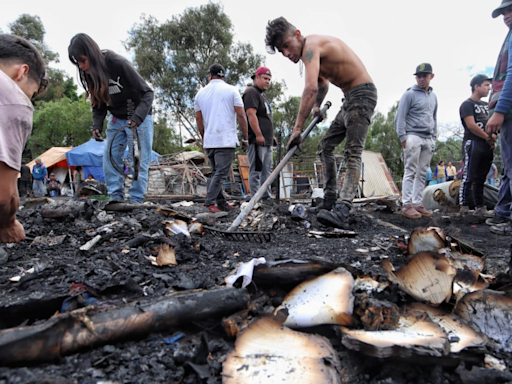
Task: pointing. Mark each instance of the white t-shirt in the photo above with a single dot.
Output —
(217, 102)
(16, 114)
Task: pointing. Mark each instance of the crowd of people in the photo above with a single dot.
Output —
(113, 85)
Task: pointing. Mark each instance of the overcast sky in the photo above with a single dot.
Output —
(458, 37)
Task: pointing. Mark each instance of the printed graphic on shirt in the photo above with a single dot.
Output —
(114, 86)
(480, 112)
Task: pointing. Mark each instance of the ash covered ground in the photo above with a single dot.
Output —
(116, 273)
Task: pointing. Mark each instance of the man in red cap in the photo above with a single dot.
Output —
(261, 130)
(327, 59)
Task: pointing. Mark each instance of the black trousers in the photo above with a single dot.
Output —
(478, 157)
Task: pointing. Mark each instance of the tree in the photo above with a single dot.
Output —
(61, 122)
(382, 137)
(32, 29)
(174, 57)
(165, 140)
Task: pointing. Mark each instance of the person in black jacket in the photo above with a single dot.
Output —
(113, 84)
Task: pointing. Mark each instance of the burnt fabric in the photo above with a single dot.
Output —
(351, 123)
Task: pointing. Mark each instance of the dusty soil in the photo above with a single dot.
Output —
(194, 353)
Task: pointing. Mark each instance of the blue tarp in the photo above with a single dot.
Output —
(90, 157)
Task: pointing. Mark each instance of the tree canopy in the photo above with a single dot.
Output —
(174, 57)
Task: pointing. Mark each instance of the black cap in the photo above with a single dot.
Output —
(479, 79)
(499, 11)
(217, 70)
(423, 68)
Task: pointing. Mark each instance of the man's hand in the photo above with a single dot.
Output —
(404, 143)
(260, 140)
(491, 140)
(13, 234)
(245, 144)
(495, 122)
(96, 135)
(295, 139)
(318, 112)
(275, 141)
(132, 123)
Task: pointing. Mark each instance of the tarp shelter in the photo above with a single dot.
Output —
(90, 157)
(54, 158)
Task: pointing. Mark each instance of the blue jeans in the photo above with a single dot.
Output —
(114, 179)
(502, 208)
(257, 178)
(38, 188)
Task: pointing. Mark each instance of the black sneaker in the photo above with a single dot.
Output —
(504, 229)
(326, 204)
(496, 220)
(337, 218)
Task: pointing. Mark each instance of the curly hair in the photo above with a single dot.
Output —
(276, 30)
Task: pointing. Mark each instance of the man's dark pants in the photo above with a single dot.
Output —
(478, 157)
(351, 123)
(220, 161)
(503, 206)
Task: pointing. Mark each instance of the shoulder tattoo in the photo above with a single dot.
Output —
(308, 55)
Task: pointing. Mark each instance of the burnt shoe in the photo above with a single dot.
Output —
(483, 212)
(338, 217)
(423, 211)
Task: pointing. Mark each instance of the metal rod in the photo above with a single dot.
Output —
(257, 196)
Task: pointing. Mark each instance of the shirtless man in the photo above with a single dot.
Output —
(328, 59)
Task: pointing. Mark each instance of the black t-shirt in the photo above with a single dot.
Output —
(25, 173)
(254, 98)
(480, 111)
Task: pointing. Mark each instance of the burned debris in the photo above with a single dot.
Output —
(155, 293)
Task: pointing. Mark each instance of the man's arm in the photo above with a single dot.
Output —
(11, 230)
(200, 123)
(311, 60)
(323, 87)
(495, 172)
(242, 122)
(505, 101)
(255, 125)
(475, 129)
(400, 117)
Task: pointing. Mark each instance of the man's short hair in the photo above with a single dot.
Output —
(276, 30)
(17, 50)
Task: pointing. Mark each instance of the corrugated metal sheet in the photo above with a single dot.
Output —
(377, 178)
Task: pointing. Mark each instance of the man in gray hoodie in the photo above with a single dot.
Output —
(416, 125)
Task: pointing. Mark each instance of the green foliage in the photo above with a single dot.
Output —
(382, 137)
(165, 140)
(60, 85)
(32, 29)
(448, 150)
(174, 57)
(60, 123)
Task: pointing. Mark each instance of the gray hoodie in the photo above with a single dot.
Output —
(417, 114)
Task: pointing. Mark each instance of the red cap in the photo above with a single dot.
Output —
(262, 71)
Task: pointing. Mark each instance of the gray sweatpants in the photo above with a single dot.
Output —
(257, 178)
(417, 155)
(38, 188)
(220, 161)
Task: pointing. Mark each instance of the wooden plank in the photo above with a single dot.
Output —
(243, 169)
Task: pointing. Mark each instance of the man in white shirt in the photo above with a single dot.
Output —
(218, 106)
(22, 77)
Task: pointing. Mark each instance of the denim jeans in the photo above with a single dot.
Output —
(502, 208)
(220, 161)
(114, 179)
(441, 180)
(417, 155)
(257, 178)
(351, 123)
(38, 188)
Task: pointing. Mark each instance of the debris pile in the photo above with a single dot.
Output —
(115, 292)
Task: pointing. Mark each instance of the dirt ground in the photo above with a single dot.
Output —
(115, 273)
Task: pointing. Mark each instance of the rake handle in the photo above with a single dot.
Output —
(243, 214)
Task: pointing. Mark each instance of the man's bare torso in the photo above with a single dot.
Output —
(338, 63)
